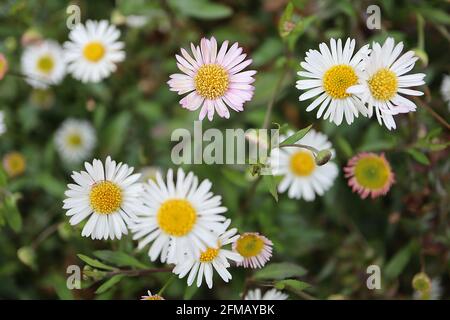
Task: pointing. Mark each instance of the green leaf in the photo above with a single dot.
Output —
(280, 271)
(296, 136)
(51, 185)
(11, 213)
(292, 285)
(235, 177)
(110, 283)
(116, 132)
(418, 156)
(119, 258)
(95, 263)
(202, 9)
(271, 185)
(3, 177)
(398, 263)
(285, 18)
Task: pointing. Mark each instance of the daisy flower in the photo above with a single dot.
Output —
(210, 259)
(213, 79)
(3, 66)
(2, 123)
(445, 89)
(271, 294)
(254, 248)
(43, 64)
(75, 140)
(303, 178)
(180, 217)
(384, 81)
(151, 296)
(14, 164)
(328, 75)
(369, 174)
(93, 51)
(107, 194)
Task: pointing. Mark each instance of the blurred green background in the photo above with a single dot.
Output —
(334, 238)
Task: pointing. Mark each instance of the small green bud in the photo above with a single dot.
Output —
(27, 256)
(323, 156)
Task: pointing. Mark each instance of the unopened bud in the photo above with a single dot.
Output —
(323, 156)
(27, 256)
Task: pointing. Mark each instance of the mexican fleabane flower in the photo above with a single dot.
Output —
(93, 51)
(445, 90)
(302, 177)
(75, 140)
(254, 248)
(212, 258)
(384, 82)
(14, 163)
(108, 194)
(369, 174)
(180, 217)
(151, 296)
(43, 64)
(271, 294)
(327, 76)
(213, 79)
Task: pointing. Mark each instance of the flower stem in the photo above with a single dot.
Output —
(168, 282)
(274, 95)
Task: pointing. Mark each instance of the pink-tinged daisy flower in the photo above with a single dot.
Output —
(255, 248)
(3, 66)
(151, 296)
(213, 79)
(369, 174)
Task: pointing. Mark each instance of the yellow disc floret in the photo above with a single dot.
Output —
(94, 51)
(211, 81)
(209, 255)
(105, 197)
(338, 79)
(74, 140)
(45, 64)
(249, 245)
(302, 163)
(383, 84)
(372, 172)
(176, 217)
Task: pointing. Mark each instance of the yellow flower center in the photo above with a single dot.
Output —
(372, 172)
(383, 84)
(209, 255)
(338, 79)
(153, 297)
(105, 197)
(176, 217)
(2, 65)
(74, 140)
(211, 81)
(45, 64)
(249, 245)
(94, 51)
(14, 164)
(302, 163)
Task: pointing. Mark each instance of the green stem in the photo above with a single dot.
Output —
(274, 95)
(168, 282)
(304, 146)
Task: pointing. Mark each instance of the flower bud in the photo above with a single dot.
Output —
(421, 282)
(323, 156)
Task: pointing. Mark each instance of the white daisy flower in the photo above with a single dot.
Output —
(445, 90)
(43, 64)
(254, 248)
(212, 258)
(93, 51)
(2, 123)
(181, 217)
(303, 178)
(271, 294)
(384, 79)
(107, 194)
(75, 140)
(328, 75)
(151, 296)
(213, 79)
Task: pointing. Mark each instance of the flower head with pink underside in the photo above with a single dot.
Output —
(254, 248)
(213, 79)
(369, 174)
